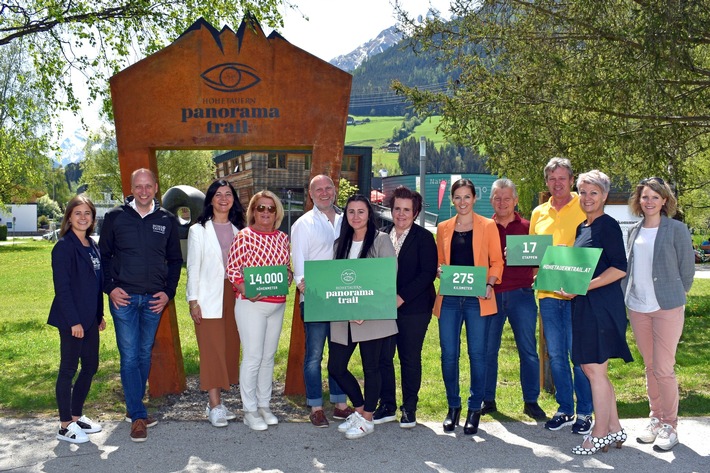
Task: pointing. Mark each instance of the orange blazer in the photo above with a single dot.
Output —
(486, 251)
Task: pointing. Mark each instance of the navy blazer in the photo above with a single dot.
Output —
(77, 291)
(673, 263)
(417, 264)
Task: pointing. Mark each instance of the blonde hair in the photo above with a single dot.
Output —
(74, 203)
(269, 195)
(660, 187)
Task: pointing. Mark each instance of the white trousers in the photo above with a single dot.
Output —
(259, 325)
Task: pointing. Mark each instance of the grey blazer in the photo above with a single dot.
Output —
(673, 263)
(369, 329)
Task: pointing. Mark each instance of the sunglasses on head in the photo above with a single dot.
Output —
(657, 179)
(266, 208)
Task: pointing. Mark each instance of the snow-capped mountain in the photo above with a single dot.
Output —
(385, 40)
(72, 147)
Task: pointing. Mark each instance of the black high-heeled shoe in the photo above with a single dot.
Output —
(452, 419)
(472, 420)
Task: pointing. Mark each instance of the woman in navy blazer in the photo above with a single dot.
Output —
(416, 270)
(78, 312)
(660, 272)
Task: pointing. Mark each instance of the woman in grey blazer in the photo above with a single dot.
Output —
(359, 238)
(660, 272)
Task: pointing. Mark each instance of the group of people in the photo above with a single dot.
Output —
(138, 260)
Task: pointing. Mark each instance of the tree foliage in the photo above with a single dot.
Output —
(24, 130)
(345, 190)
(97, 38)
(48, 207)
(102, 175)
(448, 158)
(618, 85)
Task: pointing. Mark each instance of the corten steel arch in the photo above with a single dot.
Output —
(221, 90)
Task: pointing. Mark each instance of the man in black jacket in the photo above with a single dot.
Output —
(141, 261)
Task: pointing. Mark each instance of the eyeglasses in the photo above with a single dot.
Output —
(268, 208)
(657, 179)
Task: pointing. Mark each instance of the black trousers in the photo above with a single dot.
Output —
(70, 401)
(408, 342)
(338, 360)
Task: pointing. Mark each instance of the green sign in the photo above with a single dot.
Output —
(526, 250)
(350, 289)
(568, 268)
(265, 280)
(463, 281)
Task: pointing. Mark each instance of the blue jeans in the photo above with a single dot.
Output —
(455, 311)
(557, 326)
(518, 306)
(135, 327)
(316, 335)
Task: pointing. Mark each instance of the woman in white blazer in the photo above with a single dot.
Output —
(211, 297)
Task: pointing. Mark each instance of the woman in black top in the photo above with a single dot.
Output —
(78, 312)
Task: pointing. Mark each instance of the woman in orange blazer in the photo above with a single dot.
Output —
(467, 239)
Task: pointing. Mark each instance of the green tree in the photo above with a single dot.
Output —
(24, 130)
(97, 38)
(619, 85)
(102, 175)
(100, 171)
(48, 207)
(345, 190)
(56, 186)
(186, 167)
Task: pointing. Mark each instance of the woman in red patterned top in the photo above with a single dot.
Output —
(259, 318)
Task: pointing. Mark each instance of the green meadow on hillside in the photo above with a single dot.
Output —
(378, 133)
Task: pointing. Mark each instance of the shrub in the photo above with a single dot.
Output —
(3, 232)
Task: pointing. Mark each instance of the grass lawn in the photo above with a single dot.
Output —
(29, 353)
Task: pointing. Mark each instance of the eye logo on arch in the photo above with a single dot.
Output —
(230, 77)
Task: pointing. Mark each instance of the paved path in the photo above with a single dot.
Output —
(29, 446)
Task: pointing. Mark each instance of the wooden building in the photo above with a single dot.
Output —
(282, 170)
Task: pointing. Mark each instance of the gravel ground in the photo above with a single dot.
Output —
(190, 405)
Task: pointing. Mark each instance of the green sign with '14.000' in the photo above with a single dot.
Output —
(265, 280)
(350, 289)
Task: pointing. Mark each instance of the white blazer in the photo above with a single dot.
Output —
(205, 269)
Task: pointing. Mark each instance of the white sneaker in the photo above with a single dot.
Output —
(360, 429)
(88, 425)
(667, 438)
(254, 421)
(229, 415)
(72, 434)
(349, 422)
(218, 417)
(267, 415)
(649, 434)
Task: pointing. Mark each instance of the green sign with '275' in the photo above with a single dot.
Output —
(350, 289)
(467, 281)
(265, 280)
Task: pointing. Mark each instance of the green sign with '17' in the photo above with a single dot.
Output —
(526, 250)
(265, 280)
(467, 281)
(350, 289)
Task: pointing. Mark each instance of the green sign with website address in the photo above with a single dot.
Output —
(265, 280)
(469, 281)
(567, 268)
(350, 289)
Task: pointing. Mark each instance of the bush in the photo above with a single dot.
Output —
(43, 221)
(3, 232)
